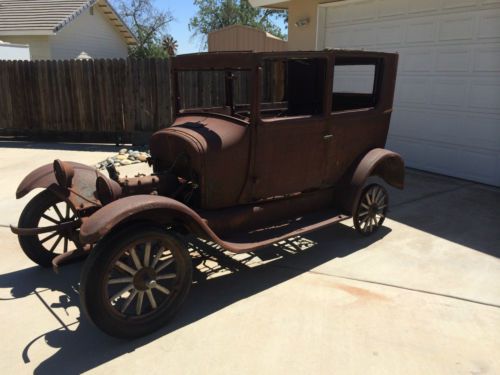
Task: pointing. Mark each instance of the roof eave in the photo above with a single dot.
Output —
(274, 4)
(128, 35)
(26, 32)
(61, 25)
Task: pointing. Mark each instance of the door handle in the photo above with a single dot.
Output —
(327, 137)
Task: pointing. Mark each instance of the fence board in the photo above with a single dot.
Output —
(107, 96)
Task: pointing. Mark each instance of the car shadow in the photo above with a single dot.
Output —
(85, 347)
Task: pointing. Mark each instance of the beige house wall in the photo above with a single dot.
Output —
(91, 33)
(302, 37)
(39, 45)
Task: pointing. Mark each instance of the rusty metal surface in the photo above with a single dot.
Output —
(380, 162)
(63, 227)
(216, 148)
(252, 177)
(150, 207)
(167, 211)
(43, 177)
(278, 155)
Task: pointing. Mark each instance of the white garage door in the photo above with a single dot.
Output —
(447, 105)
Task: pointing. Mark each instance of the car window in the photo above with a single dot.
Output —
(355, 85)
(219, 91)
(292, 87)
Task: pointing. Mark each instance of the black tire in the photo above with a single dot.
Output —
(115, 315)
(38, 248)
(371, 209)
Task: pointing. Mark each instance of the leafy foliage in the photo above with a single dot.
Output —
(216, 14)
(148, 24)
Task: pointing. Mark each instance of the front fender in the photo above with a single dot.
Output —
(154, 208)
(378, 162)
(43, 177)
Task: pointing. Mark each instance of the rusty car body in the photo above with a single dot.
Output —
(277, 150)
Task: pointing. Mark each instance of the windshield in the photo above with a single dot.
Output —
(218, 91)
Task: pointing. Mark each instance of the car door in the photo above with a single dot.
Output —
(291, 146)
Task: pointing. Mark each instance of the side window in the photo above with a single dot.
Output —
(292, 87)
(219, 91)
(355, 85)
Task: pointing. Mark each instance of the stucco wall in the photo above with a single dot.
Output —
(39, 45)
(88, 33)
(303, 37)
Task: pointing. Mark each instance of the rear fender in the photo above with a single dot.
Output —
(142, 208)
(379, 162)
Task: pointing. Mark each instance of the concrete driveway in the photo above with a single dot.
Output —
(420, 297)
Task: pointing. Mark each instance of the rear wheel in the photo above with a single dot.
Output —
(371, 209)
(45, 210)
(135, 281)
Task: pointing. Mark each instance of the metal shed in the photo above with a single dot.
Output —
(244, 38)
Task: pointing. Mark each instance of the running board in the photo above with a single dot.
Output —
(258, 238)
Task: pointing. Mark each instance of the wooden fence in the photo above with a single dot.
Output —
(78, 97)
(110, 99)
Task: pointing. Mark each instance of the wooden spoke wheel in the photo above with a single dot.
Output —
(371, 209)
(135, 281)
(47, 210)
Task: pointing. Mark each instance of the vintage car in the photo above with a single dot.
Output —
(264, 146)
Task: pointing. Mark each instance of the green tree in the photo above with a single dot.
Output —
(216, 14)
(149, 26)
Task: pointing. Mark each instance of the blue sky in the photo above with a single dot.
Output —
(182, 10)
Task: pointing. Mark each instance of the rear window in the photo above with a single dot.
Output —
(356, 84)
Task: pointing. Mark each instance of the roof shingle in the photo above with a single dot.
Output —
(40, 15)
(49, 16)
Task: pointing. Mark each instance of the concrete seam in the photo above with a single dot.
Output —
(397, 286)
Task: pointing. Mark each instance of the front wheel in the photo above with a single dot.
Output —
(135, 281)
(47, 210)
(371, 209)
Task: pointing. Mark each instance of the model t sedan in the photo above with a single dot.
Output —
(264, 146)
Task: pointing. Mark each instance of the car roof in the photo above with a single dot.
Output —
(249, 59)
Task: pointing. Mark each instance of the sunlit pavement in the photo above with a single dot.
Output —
(422, 296)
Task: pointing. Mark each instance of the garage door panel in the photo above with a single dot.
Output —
(489, 26)
(421, 31)
(412, 128)
(454, 4)
(457, 27)
(486, 59)
(391, 8)
(354, 37)
(417, 60)
(454, 59)
(449, 93)
(410, 91)
(390, 34)
(478, 166)
(490, 2)
(481, 131)
(485, 95)
(449, 160)
(421, 125)
(447, 100)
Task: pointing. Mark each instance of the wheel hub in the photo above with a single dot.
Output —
(145, 279)
(373, 210)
